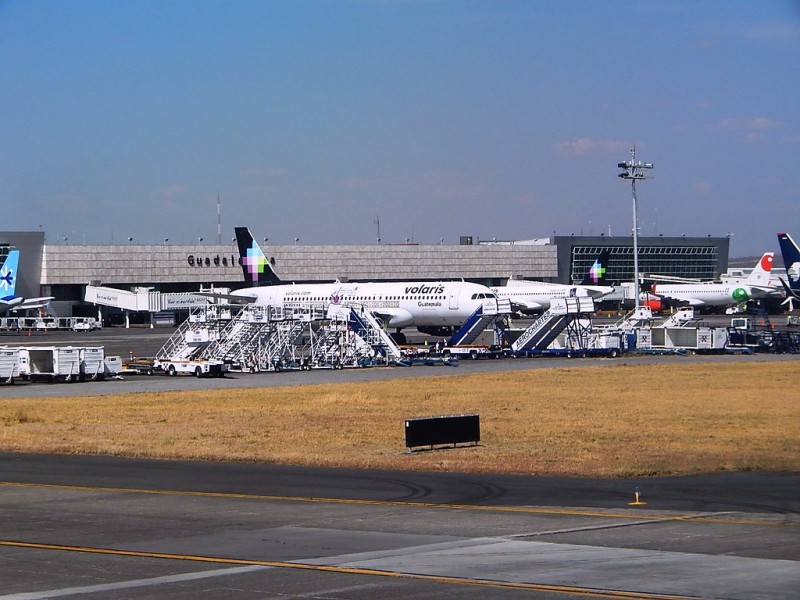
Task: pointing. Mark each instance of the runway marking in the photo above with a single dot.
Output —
(539, 587)
(693, 517)
(134, 583)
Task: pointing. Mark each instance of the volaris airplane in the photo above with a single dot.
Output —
(535, 296)
(434, 307)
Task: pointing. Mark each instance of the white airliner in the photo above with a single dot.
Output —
(791, 260)
(535, 296)
(436, 307)
(9, 301)
(721, 294)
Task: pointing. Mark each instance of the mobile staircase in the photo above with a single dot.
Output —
(364, 324)
(195, 334)
(563, 313)
(283, 347)
(480, 320)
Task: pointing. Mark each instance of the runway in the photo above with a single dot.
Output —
(119, 528)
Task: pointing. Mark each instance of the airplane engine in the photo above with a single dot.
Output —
(654, 304)
(397, 318)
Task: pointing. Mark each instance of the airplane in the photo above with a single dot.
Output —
(717, 294)
(791, 260)
(534, 296)
(433, 307)
(9, 301)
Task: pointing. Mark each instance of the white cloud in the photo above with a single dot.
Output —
(702, 187)
(775, 33)
(266, 172)
(358, 183)
(172, 191)
(584, 145)
(756, 124)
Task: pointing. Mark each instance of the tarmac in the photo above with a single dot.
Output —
(118, 528)
(107, 527)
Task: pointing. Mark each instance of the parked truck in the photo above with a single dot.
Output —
(197, 367)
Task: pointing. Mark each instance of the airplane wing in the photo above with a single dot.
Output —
(691, 301)
(393, 317)
(769, 290)
(525, 307)
(34, 303)
(596, 291)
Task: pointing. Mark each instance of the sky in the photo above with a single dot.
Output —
(345, 121)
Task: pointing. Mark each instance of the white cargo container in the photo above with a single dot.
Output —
(9, 364)
(92, 362)
(112, 365)
(50, 363)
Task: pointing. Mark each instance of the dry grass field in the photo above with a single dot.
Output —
(612, 420)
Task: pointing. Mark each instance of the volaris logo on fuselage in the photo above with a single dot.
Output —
(425, 289)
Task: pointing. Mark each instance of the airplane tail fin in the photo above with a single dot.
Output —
(761, 272)
(596, 275)
(791, 259)
(8, 274)
(255, 266)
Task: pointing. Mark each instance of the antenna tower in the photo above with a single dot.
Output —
(634, 171)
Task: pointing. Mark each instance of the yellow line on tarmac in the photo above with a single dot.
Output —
(561, 589)
(696, 517)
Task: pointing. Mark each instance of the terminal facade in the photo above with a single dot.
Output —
(64, 271)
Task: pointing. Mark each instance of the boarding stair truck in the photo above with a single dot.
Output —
(284, 349)
(477, 323)
(573, 316)
(544, 330)
(233, 340)
(193, 335)
(365, 326)
(9, 364)
(487, 345)
(51, 363)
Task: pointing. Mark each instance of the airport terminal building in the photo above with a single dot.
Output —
(63, 271)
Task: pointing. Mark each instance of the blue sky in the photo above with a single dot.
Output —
(310, 119)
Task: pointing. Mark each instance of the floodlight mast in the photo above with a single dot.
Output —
(633, 171)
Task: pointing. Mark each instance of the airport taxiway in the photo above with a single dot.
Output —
(118, 528)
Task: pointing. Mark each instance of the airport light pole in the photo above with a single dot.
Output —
(634, 171)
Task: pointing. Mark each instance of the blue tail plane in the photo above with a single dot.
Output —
(791, 259)
(8, 276)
